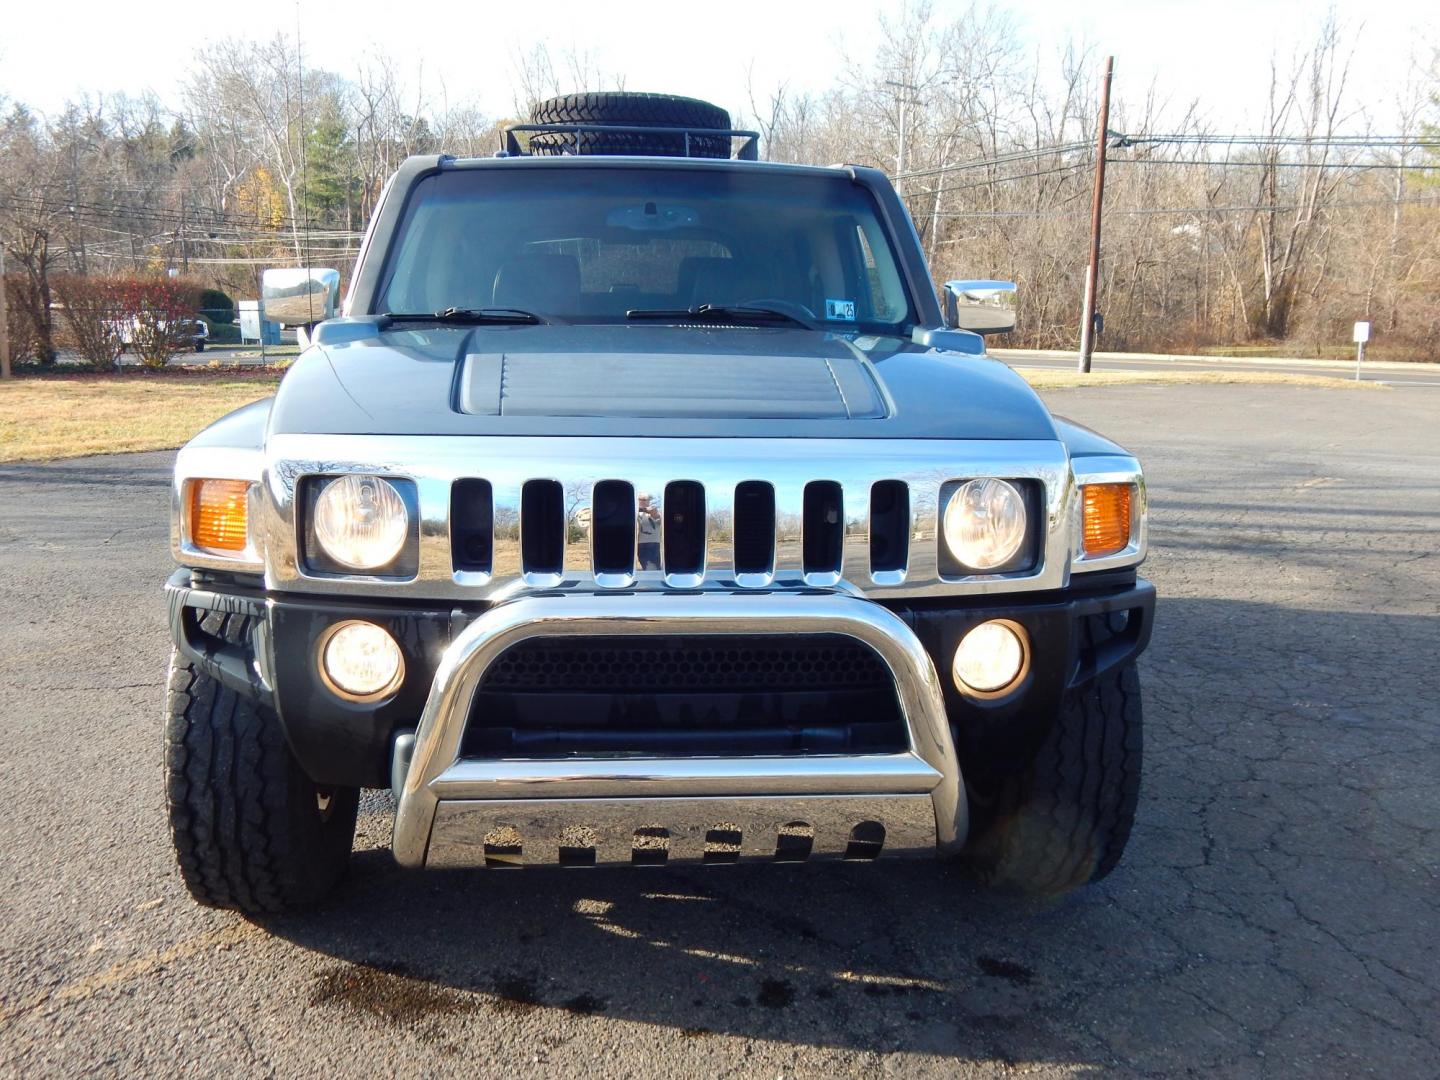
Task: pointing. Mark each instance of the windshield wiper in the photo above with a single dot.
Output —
(737, 313)
(466, 316)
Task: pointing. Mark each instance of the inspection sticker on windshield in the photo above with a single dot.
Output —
(841, 310)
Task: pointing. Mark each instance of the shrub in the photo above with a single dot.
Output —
(94, 314)
(158, 308)
(217, 306)
(23, 341)
(32, 331)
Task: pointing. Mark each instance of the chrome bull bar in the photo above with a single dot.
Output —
(448, 805)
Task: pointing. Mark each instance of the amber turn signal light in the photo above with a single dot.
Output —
(217, 515)
(1107, 518)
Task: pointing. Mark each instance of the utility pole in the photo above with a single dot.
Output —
(904, 103)
(4, 320)
(1092, 275)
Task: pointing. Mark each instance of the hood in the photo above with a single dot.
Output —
(638, 380)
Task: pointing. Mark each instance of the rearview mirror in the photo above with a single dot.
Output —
(984, 307)
(299, 296)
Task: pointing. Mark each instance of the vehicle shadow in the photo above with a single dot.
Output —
(899, 955)
(1278, 741)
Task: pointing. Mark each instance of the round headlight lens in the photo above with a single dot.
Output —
(361, 521)
(985, 523)
(360, 660)
(990, 658)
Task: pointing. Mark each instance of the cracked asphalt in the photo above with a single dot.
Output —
(1275, 915)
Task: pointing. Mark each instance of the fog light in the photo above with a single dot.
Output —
(991, 658)
(360, 661)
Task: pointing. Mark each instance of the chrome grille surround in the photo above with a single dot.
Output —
(648, 465)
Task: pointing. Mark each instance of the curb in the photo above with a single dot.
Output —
(1339, 365)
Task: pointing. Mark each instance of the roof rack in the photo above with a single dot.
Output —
(749, 150)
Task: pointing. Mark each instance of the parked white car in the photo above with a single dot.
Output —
(194, 331)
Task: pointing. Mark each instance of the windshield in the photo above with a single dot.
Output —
(603, 244)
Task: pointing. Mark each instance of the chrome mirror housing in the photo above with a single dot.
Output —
(299, 296)
(984, 307)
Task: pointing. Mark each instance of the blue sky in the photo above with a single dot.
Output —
(1216, 51)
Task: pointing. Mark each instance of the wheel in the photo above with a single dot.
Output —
(251, 831)
(630, 110)
(1063, 820)
(199, 346)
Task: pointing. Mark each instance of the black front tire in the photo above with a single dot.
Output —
(251, 831)
(1064, 818)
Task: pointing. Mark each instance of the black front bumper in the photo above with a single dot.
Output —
(263, 645)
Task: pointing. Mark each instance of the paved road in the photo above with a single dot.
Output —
(1276, 914)
(1392, 374)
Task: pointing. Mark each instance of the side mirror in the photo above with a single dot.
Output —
(299, 296)
(985, 307)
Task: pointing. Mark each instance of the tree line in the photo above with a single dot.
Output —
(1326, 211)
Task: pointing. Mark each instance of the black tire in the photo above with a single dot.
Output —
(1064, 820)
(630, 110)
(251, 831)
(199, 346)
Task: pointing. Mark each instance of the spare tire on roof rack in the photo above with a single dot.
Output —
(631, 110)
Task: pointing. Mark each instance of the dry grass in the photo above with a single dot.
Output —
(1053, 379)
(71, 416)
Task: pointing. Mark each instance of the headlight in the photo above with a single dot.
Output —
(985, 523)
(361, 521)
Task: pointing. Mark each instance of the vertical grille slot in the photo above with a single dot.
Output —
(824, 527)
(542, 527)
(612, 527)
(754, 527)
(889, 525)
(684, 527)
(472, 531)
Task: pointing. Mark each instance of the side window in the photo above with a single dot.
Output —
(887, 304)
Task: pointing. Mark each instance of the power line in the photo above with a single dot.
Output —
(1084, 163)
(1360, 141)
(1121, 141)
(1419, 200)
(1336, 166)
(169, 219)
(217, 217)
(999, 159)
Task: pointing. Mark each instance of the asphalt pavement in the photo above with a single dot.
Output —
(1275, 915)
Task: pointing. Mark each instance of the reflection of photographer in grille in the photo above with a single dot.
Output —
(647, 533)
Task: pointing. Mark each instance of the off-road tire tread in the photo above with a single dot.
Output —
(1069, 816)
(632, 110)
(237, 802)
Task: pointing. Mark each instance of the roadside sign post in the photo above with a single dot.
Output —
(1362, 335)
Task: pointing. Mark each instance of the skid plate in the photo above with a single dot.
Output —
(665, 831)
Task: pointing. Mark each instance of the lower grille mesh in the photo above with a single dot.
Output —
(633, 666)
(686, 696)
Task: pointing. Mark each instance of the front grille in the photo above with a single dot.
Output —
(684, 529)
(677, 696)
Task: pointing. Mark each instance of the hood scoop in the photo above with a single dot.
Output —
(670, 385)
